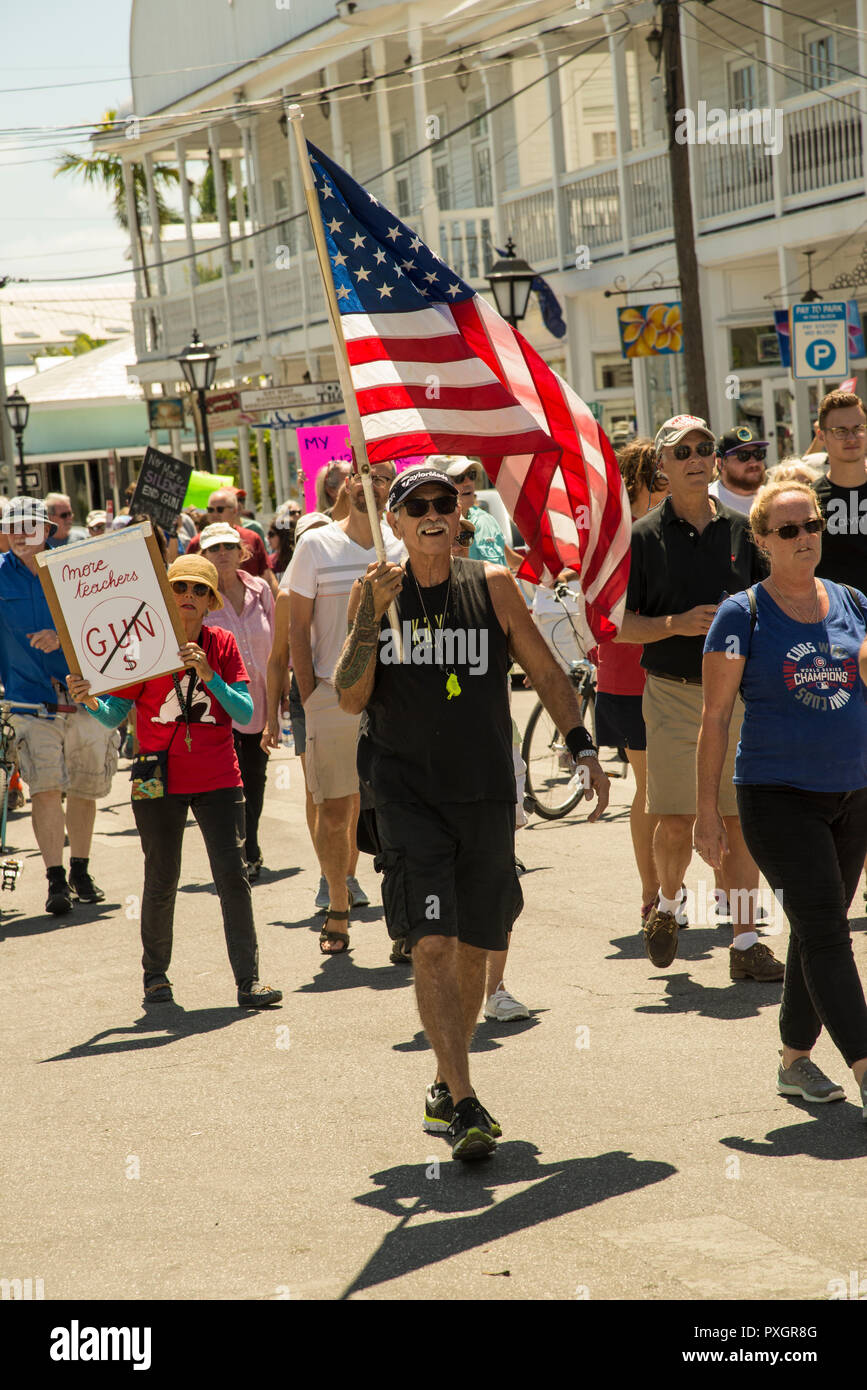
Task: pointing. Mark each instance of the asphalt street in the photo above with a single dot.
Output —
(196, 1151)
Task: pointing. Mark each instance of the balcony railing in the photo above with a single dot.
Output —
(528, 218)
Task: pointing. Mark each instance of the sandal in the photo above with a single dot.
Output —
(159, 993)
(330, 937)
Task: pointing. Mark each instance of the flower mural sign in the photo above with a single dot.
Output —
(649, 330)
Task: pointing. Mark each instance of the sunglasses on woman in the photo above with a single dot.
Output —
(791, 529)
(462, 477)
(419, 506)
(704, 450)
(224, 545)
(744, 455)
(180, 586)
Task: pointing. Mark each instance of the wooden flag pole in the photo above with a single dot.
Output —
(341, 357)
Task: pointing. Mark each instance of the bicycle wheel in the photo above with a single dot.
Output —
(550, 770)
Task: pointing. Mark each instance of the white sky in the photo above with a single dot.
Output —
(58, 228)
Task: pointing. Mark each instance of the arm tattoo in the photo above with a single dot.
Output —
(360, 644)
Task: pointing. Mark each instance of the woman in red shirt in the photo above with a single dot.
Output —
(188, 762)
(620, 678)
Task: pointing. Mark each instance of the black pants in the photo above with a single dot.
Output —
(253, 762)
(220, 815)
(810, 846)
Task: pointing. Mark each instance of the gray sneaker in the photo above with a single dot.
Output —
(323, 897)
(803, 1078)
(357, 895)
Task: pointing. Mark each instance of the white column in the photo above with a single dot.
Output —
(558, 158)
(429, 207)
(494, 146)
(617, 54)
(175, 437)
(244, 461)
(250, 162)
(775, 56)
(262, 469)
(222, 202)
(188, 224)
(861, 65)
(300, 240)
(643, 422)
(129, 189)
(383, 119)
(802, 425)
(281, 465)
(241, 205)
(156, 240)
(690, 42)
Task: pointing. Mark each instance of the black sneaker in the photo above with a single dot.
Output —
(84, 888)
(439, 1111)
(59, 899)
(470, 1131)
(400, 952)
(257, 996)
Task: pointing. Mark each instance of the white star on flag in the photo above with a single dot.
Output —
(393, 233)
(334, 225)
(362, 273)
(358, 240)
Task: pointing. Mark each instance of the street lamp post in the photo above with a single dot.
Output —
(199, 365)
(511, 279)
(18, 413)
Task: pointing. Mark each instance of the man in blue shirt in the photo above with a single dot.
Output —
(69, 752)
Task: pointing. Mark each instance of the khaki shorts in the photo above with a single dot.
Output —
(672, 714)
(332, 738)
(69, 753)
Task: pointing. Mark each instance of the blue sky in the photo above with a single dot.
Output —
(58, 227)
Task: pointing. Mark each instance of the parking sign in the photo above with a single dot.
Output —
(819, 340)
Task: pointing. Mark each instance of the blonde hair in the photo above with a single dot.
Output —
(767, 495)
(795, 470)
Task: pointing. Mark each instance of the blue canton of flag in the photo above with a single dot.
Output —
(379, 264)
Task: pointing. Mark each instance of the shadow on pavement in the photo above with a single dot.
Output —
(558, 1188)
(838, 1132)
(485, 1037)
(26, 925)
(696, 943)
(171, 1021)
(738, 999)
(341, 972)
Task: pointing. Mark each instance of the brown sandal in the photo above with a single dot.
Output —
(331, 936)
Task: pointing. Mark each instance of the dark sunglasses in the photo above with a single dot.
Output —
(744, 455)
(791, 529)
(704, 450)
(180, 586)
(224, 545)
(462, 477)
(221, 509)
(62, 516)
(419, 506)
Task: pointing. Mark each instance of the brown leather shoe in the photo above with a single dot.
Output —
(660, 937)
(757, 963)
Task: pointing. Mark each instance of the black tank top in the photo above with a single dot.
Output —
(419, 740)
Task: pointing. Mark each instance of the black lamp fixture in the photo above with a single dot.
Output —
(18, 413)
(199, 366)
(511, 280)
(462, 75)
(654, 43)
(811, 295)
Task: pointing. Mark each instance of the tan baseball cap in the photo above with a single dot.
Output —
(196, 570)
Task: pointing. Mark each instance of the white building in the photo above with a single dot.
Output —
(541, 120)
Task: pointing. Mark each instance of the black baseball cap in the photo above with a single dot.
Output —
(741, 437)
(411, 478)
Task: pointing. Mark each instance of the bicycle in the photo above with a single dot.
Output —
(554, 783)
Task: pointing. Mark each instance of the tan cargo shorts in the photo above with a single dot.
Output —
(332, 738)
(672, 715)
(70, 753)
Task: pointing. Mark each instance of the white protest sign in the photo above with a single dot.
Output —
(113, 608)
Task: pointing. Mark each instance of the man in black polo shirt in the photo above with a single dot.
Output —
(687, 555)
(842, 493)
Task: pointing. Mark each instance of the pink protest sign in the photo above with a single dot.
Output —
(319, 445)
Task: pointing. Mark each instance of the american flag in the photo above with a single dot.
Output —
(437, 371)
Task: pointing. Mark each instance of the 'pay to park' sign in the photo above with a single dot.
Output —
(113, 609)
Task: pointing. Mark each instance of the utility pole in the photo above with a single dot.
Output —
(7, 448)
(681, 204)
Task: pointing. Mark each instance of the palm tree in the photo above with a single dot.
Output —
(107, 170)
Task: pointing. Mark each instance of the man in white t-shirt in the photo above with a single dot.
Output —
(741, 462)
(320, 576)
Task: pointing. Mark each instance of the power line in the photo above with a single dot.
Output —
(793, 47)
(813, 21)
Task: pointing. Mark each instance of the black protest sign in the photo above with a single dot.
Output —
(161, 488)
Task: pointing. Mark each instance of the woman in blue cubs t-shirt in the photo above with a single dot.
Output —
(800, 773)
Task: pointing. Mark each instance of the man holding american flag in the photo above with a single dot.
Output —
(436, 748)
